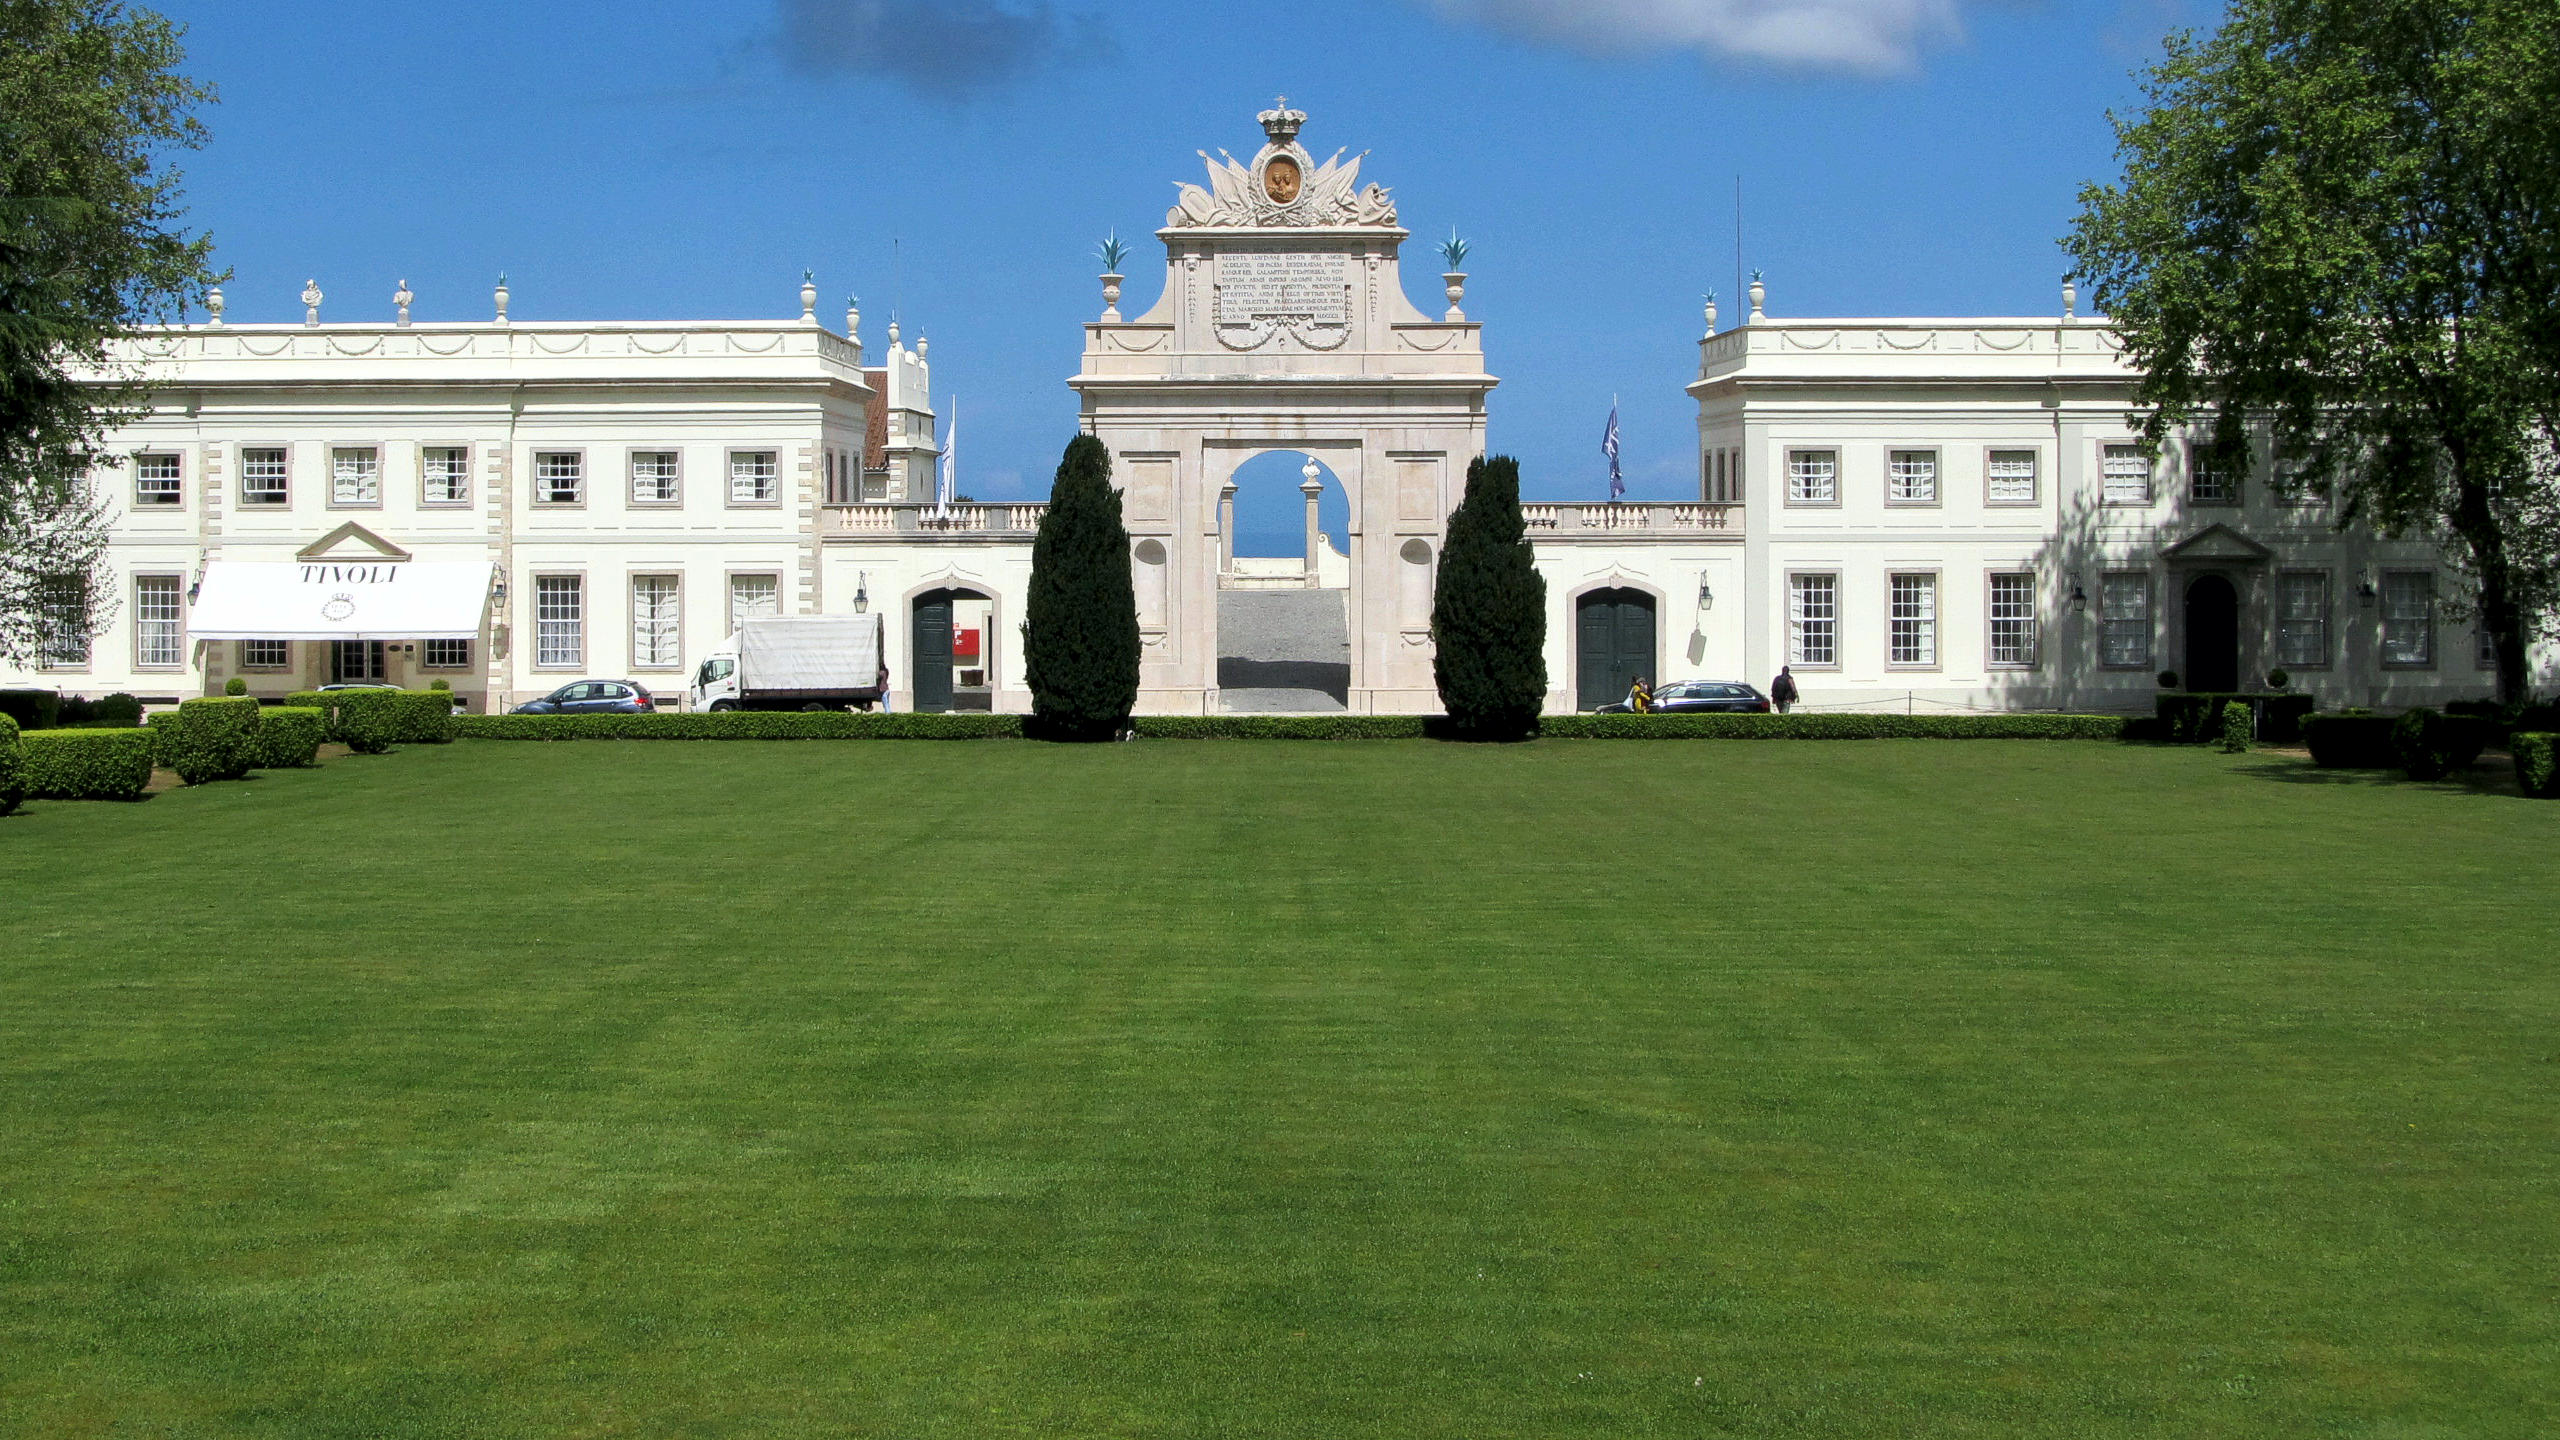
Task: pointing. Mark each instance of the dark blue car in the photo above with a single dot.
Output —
(593, 697)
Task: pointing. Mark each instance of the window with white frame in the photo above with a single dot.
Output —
(1911, 477)
(2288, 479)
(1813, 619)
(753, 595)
(559, 620)
(265, 654)
(263, 476)
(2013, 620)
(445, 654)
(159, 623)
(2408, 618)
(2013, 477)
(447, 474)
(2125, 473)
(2124, 620)
(653, 477)
(355, 475)
(64, 602)
(559, 477)
(755, 477)
(2484, 649)
(655, 643)
(1912, 629)
(2209, 483)
(2302, 619)
(157, 480)
(1813, 477)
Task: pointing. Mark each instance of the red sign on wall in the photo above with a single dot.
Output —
(964, 644)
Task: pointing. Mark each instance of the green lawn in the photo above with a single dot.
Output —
(1911, 1089)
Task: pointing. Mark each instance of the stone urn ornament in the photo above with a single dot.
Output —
(1113, 252)
(809, 297)
(1453, 281)
(502, 297)
(1759, 299)
(213, 303)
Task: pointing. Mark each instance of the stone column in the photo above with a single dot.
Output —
(1313, 489)
(1226, 531)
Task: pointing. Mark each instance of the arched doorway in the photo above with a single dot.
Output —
(2213, 635)
(1613, 644)
(950, 667)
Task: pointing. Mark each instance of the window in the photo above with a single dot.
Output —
(2127, 474)
(653, 477)
(1911, 477)
(755, 478)
(2290, 486)
(559, 477)
(156, 480)
(265, 654)
(262, 477)
(159, 623)
(2302, 620)
(2013, 620)
(65, 643)
(559, 621)
(448, 474)
(2124, 620)
(445, 654)
(2408, 618)
(1913, 631)
(1813, 619)
(2012, 477)
(355, 475)
(1813, 477)
(2207, 482)
(754, 595)
(2484, 654)
(654, 613)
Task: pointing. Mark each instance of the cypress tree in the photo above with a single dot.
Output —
(1489, 610)
(1080, 627)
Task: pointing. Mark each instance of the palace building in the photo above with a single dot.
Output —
(1912, 514)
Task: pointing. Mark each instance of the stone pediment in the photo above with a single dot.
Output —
(351, 541)
(1282, 187)
(2218, 543)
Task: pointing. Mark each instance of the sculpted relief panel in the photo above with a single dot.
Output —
(1282, 187)
(1307, 297)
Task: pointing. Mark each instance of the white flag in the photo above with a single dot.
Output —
(949, 485)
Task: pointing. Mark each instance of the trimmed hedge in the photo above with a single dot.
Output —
(87, 764)
(288, 737)
(31, 709)
(2537, 755)
(2236, 725)
(1287, 727)
(2196, 719)
(13, 767)
(739, 725)
(2504, 720)
(2348, 742)
(211, 738)
(372, 721)
(1803, 726)
(2431, 745)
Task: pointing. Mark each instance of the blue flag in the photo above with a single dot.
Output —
(1609, 447)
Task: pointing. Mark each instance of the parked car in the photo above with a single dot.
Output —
(359, 685)
(593, 697)
(1702, 697)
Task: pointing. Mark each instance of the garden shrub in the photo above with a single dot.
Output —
(2431, 745)
(118, 709)
(31, 709)
(1286, 727)
(211, 739)
(2196, 719)
(2537, 755)
(2348, 742)
(1489, 610)
(740, 725)
(13, 774)
(288, 737)
(372, 721)
(87, 764)
(439, 683)
(235, 686)
(1803, 726)
(2235, 727)
(836, 725)
(1080, 638)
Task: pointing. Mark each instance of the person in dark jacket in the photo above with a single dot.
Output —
(1782, 691)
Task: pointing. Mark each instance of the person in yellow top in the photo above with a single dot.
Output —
(1640, 697)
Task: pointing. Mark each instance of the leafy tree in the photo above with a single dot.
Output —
(2337, 223)
(1080, 627)
(90, 99)
(1489, 610)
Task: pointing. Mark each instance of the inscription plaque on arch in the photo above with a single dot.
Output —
(1263, 289)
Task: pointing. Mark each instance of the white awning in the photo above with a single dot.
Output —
(338, 600)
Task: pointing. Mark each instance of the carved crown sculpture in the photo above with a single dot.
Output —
(1282, 187)
(1280, 122)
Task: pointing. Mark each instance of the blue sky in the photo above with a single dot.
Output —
(641, 159)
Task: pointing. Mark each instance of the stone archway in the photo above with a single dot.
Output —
(1283, 325)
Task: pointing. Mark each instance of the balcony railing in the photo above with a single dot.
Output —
(903, 519)
(1640, 516)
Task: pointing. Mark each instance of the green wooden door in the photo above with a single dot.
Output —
(932, 657)
(1613, 635)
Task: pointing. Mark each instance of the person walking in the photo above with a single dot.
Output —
(1782, 691)
(1640, 697)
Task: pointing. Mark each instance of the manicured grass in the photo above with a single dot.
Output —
(1912, 1089)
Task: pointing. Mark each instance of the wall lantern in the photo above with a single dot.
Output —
(862, 593)
(195, 586)
(1706, 594)
(498, 590)
(2364, 589)
(2079, 597)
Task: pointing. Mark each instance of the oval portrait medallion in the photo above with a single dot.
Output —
(1280, 180)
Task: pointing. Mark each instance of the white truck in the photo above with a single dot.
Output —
(794, 662)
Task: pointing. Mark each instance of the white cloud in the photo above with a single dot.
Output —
(1870, 35)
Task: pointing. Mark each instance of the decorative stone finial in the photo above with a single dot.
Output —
(893, 334)
(1711, 312)
(311, 298)
(213, 305)
(1454, 285)
(402, 298)
(1280, 122)
(922, 345)
(502, 297)
(1313, 476)
(2070, 297)
(1759, 298)
(853, 319)
(809, 296)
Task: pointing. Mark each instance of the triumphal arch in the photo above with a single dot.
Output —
(1283, 325)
